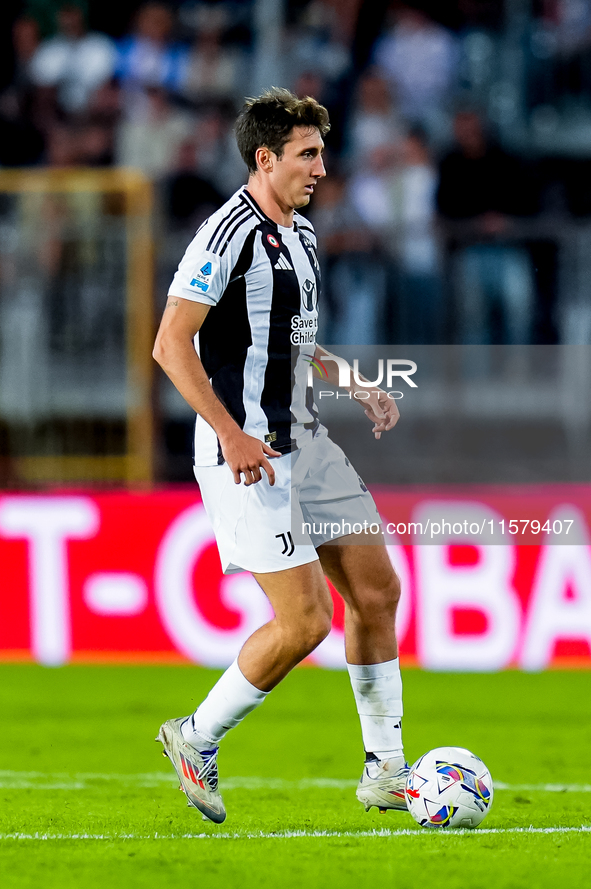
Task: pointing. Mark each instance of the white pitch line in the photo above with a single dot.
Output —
(297, 834)
(61, 781)
(12, 780)
(545, 788)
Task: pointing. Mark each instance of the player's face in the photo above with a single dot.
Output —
(296, 173)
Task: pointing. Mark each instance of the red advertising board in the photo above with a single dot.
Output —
(137, 576)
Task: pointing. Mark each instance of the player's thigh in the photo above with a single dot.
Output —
(333, 498)
(361, 572)
(299, 596)
(252, 524)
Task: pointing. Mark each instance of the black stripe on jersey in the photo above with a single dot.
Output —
(227, 220)
(313, 257)
(225, 337)
(248, 199)
(314, 423)
(306, 228)
(234, 230)
(238, 218)
(279, 373)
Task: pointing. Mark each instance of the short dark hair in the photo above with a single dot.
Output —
(267, 122)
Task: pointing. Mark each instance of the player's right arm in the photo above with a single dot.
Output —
(174, 351)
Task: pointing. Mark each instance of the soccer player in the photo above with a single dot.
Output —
(239, 323)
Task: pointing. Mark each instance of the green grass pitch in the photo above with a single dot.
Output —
(88, 800)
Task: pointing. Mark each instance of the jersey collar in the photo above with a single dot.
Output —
(246, 196)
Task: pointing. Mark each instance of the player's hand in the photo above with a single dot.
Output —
(246, 455)
(381, 410)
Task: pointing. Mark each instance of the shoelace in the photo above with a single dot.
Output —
(209, 769)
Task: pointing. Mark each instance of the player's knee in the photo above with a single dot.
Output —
(316, 629)
(386, 598)
(392, 595)
(379, 600)
(320, 630)
(312, 639)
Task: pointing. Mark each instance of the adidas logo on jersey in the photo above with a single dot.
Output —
(282, 263)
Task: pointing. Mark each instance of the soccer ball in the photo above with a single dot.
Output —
(449, 787)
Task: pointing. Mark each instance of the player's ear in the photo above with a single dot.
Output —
(264, 159)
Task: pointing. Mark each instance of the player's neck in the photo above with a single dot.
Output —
(269, 203)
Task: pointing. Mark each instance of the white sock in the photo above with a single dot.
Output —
(231, 699)
(378, 695)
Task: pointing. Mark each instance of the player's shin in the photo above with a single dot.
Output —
(378, 694)
(231, 699)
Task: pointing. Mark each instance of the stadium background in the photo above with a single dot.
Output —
(455, 226)
(459, 165)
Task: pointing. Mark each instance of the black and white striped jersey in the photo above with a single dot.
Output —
(256, 344)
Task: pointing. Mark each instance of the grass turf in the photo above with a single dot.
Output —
(77, 758)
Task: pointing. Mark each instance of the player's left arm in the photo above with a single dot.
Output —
(379, 407)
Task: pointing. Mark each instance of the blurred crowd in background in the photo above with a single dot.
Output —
(460, 131)
(456, 209)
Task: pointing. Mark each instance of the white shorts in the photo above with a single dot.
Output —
(317, 497)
